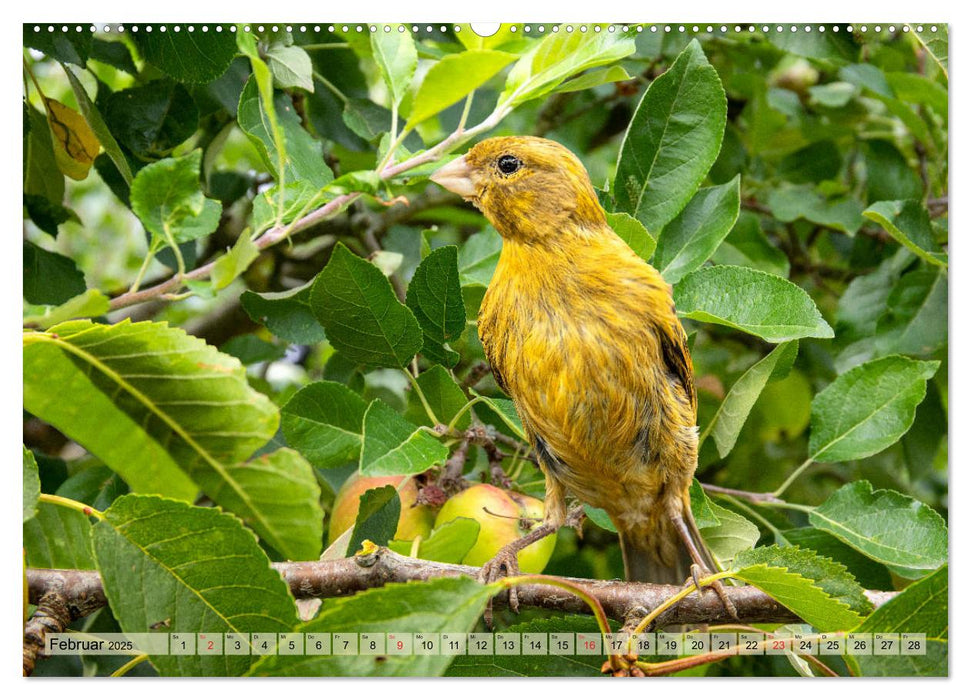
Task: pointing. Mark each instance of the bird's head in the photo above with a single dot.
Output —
(530, 189)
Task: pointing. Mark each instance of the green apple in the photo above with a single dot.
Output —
(413, 521)
(503, 517)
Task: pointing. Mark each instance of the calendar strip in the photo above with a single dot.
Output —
(485, 644)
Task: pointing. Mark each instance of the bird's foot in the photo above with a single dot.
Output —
(698, 572)
(505, 563)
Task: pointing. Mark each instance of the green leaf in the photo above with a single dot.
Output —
(234, 263)
(288, 315)
(448, 543)
(747, 246)
(302, 155)
(816, 162)
(693, 235)
(751, 301)
(478, 257)
(831, 576)
(672, 140)
(867, 76)
(791, 202)
(150, 120)
(97, 123)
(935, 43)
(276, 494)
(921, 607)
(908, 223)
(197, 568)
(533, 666)
(47, 215)
(829, 45)
(444, 397)
(506, 410)
(865, 298)
(153, 403)
(915, 320)
(888, 174)
(92, 303)
(168, 199)
(633, 233)
(594, 78)
(31, 485)
(94, 485)
(291, 67)
(115, 54)
(702, 507)
(868, 408)
(377, 518)
(50, 278)
(801, 596)
(558, 56)
(435, 297)
(734, 410)
(868, 573)
(906, 535)
(189, 57)
(251, 349)
(41, 174)
(452, 78)
(431, 607)
(323, 421)
(599, 518)
(58, 538)
(733, 534)
(836, 94)
(357, 307)
(66, 47)
(392, 445)
(397, 58)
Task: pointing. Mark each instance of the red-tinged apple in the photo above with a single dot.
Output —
(503, 517)
(413, 521)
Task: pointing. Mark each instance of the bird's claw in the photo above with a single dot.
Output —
(698, 573)
(504, 564)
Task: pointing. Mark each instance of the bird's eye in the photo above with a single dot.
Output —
(509, 164)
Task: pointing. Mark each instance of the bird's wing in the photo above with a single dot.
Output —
(677, 359)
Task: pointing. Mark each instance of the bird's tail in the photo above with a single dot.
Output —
(658, 554)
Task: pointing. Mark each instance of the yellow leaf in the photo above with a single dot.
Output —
(75, 145)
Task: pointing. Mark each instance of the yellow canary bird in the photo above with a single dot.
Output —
(582, 334)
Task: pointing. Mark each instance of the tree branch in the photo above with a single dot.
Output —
(279, 233)
(341, 577)
(64, 596)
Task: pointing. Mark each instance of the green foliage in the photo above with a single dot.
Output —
(672, 140)
(751, 301)
(377, 518)
(196, 568)
(391, 445)
(922, 605)
(167, 197)
(357, 307)
(868, 408)
(323, 420)
(442, 605)
(799, 593)
(730, 418)
(791, 186)
(906, 535)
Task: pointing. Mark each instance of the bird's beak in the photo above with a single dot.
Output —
(456, 177)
